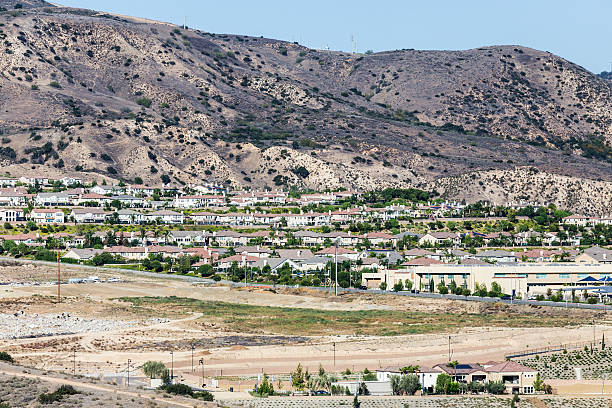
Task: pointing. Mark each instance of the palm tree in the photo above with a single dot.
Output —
(453, 365)
(143, 234)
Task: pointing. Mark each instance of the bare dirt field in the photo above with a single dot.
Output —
(243, 332)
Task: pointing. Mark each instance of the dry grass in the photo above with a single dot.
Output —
(298, 321)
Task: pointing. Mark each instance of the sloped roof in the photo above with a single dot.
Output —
(509, 367)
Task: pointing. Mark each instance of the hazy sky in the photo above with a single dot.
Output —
(578, 30)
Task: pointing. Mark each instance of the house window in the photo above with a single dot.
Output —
(564, 276)
(522, 275)
(464, 276)
(528, 390)
(450, 276)
(540, 276)
(499, 275)
(582, 275)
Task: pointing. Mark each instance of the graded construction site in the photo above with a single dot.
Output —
(240, 333)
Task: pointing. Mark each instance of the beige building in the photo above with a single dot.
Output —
(390, 277)
(523, 278)
(517, 378)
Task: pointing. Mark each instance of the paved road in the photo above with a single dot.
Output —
(195, 279)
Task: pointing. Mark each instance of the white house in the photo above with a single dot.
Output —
(52, 199)
(165, 217)
(126, 216)
(8, 182)
(440, 237)
(15, 196)
(89, 215)
(11, 214)
(47, 216)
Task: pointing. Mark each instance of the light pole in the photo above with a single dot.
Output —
(201, 362)
(334, 354)
(74, 361)
(58, 274)
(128, 372)
(192, 349)
(172, 367)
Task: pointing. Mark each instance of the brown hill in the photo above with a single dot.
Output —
(99, 95)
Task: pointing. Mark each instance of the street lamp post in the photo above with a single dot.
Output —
(172, 367)
(201, 362)
(128, 372)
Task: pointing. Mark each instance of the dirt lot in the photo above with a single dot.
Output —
(23, 387)
(239, 332)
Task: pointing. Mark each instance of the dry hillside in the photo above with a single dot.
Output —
(99, 95)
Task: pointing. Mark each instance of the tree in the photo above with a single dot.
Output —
(496, 290)
(495, 387)
(298, 379)
(405, 385)
(368, 375)
(442, 289)
(407, 285)
(383, 286)
(538, 383)
(154, 369)
(442, 383)
(206, 270)
(266, 388)
(399, 286)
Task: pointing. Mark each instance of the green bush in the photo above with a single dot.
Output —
(177, 389)
(55, 84)
(146, 102)
(4, 356)
(57, 395)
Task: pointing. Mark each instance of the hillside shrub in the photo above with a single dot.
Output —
(146, 102)
(57, 395)
(4, 356)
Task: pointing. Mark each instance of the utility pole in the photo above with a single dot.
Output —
(449, 341)
(334, 343)
(336, 262)
(192, 349)
(201, 362)
(74, 361)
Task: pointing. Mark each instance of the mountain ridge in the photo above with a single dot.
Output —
(125, 98)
